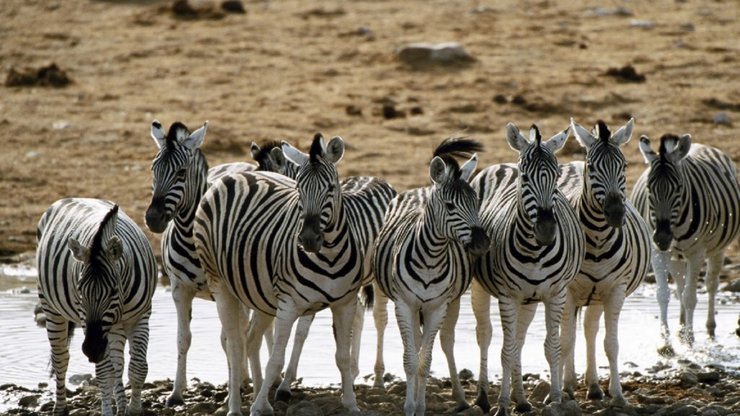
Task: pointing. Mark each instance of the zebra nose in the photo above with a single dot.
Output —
(614, 210)
(95, 343)
(662, 235)
(479, 241)
(310, 237)
(156, 218)
(545, 227)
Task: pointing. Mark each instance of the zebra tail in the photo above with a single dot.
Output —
(367, 297)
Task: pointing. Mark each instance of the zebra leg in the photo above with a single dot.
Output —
(342, 316)
(243, 332)
(568, 343)
(116, 343)
(357, 323)
(612, 309)
(525, 316)
(695, 263)
(183, 297)
(380, 316)
(433, 318)
(661, 262)
(301, 333)
(481, 302)
(104, 372)
(553, 313)
(259, 325)
(286, 317)
(509, 311)
(230, 316)
(447, 340)
(407, 319)
(138, 367)
(57, 332)
(711, 280)
(590, 330)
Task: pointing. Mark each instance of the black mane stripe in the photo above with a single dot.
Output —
(174, 128)
(662, 151)
(604, 133)
(316, 148)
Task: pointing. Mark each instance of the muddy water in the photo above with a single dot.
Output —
(24, 350)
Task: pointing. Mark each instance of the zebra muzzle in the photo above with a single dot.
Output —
(95, 344)
(156, 218)
(614, 210)
(310, 238)
(479, 242)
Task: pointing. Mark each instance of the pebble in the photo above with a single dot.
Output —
(421, 55)
(722, 118)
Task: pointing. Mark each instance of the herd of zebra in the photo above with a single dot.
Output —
(276, 242)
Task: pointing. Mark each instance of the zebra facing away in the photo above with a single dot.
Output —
(96, 268)
(180, 176)
(537, 249)
(287, 248)
(689, 195)
(422, 263)
(617, 252)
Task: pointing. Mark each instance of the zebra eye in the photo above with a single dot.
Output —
(181, 173)
(450, 206)
(525, 177)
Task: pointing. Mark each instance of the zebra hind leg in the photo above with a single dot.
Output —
(447, 341)
(283, 393)
(711, 280)
(481, 302)
(380, 316)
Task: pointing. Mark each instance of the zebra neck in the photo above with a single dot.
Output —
(197, 185)
(687, 198)
(522, 228)
(591, 213)
(428, 239)
(337, 233)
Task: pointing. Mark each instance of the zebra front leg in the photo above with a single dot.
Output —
(481, 303)
(590, 330)
(260, 324)
(285, 318)
(301, 333)
(695, 263)
(138, 367)
(568, 343)
(57, 331)
(104, 372)
(116, 343)
(661, 262)
(447, 340)
(433, 317)
(612, 309)
(508, 310)
(380, 316)
(230, 316)
(183, 298)
(342, 316)
(405, 317)
(711, 280)
(553, 313)
(525, 316)
(358, 322)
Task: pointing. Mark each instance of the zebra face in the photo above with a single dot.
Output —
(172, 175)
(456, 205)
(270, 158)
(666, 192)
(318, 189)
(605, 167)
(99, 286)
(537, 181)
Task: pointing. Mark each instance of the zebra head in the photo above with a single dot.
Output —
(537, 182)
(665, 185)
(453, 201)
(270, 158)
(99, 285)
(319, 193)
(173, 175)
(605, 167)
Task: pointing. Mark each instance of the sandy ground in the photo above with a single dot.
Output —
(287, 69)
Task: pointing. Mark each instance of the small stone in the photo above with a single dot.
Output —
(540, 392)
(29, 401)
(708, 377)
(688, 379)
(420, 55)
(233, 6)
(465, 374)
(683, 410)
(642, 23)
(203, 408)
(500, 99)
(721, 118)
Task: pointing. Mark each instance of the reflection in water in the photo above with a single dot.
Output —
(24, 349)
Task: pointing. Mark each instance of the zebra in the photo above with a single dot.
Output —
(537, 250)
(287, 248)
(96, 268)
(180, 176)
(617, 252)
(690, 197)
(423, 263)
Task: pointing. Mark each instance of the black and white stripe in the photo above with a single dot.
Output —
(537, 250)
(690, 197)
(617, 252)
(423, 263)
(96, 268)
(286, 248)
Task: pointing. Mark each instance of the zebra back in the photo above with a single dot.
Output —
(96, 267)
(689, 195)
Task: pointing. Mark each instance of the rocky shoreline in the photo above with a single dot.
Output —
(683, 389)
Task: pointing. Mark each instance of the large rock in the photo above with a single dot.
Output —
(425, 55)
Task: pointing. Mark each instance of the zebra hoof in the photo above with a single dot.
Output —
(173, 401)
(523, 407)
(461, 406)
(595, 393)
(667, 351)
(482, 402)
(282, 395)
(501, 411)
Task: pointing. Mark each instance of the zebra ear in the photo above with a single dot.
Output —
(516, 140)
(255, 150)
(647, 153)
(624, 134)
(195, 139)
(158, 134)
(466, 171)
(292, 154)
(114, 247)
(556, 142)
(582, 135)
(334, 150)
(278, 159)
(438, 170)
(681, 150)
(79, 252)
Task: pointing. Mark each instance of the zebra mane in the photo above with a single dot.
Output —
(316, 148)
(667, 141)
(264, 152)
(603, 131)
(537, 135)
(453, 147)
(176, 133)
(103, 233)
